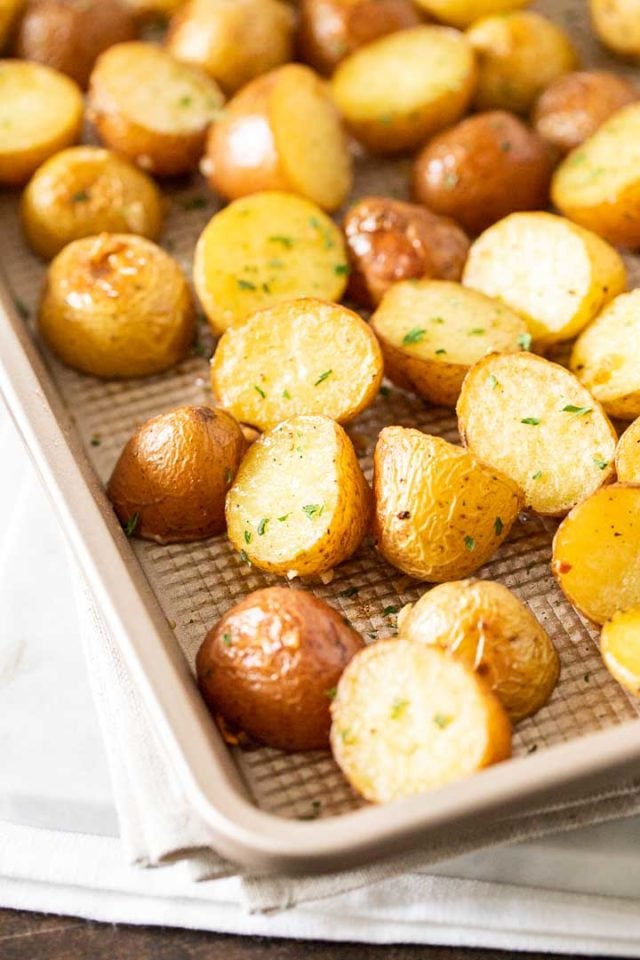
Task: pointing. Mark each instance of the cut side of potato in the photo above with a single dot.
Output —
(534, 421)
(300, 504)
(628, 454)
(298, 357)
(553, 272)
(408, 718)
(263, 249)
(596, 552)
(433, 331)
(620, 649)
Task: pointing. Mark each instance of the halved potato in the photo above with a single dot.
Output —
(596, 552)
(462, 13)
(434, 75)
(617, 24)
(300, 504)
(553, 272)
(484, 624)
(298, 357)
(534, 421)
(432, 332)
(40, 113)
(620, 648)
(440, 514)
(628, 454)
(409, 718)
(10, 10)
(263, 249)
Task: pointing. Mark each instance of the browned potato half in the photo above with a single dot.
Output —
(263, 249)
(116, 305)
(617, 24)
(440, 514)
(388, 241)
(573, 107)
(484, 624)
(462, 13)
(270, 667)
(297, 357)
(596, 552)
(534, 421)
(628, 454)
(482, 169)
(620, 649)
(40, 113)
(408, 718)
(434, 76)
(152, 108)
(233, 40)
(171, 479)
(553, 272)
(432, 332)
(83, 191)
(300, 504)
(606, 358)
(281, 132)
(519, 55)
(10, 11)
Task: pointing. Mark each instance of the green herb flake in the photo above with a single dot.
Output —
(600, 463)
(194, 203)
(284, 517)
(80, 197)
(244, 557)
(260, 391)
(342, 269)
(286, 242)
(329, 241)
(416, 335)
(524, 341)
(262, 526)
(498, 526)
(476, 331)
(389, 611)
(530, 421)
(437, 320)
(493, 380)
(226, 639)
(323, 377)
(131, 524)
(579, 411)
(442, 720)
(398, 708)
(330, 694)
(440, 352)
(185, 101)
(246, 284)
(22, 309)
(536, 475)
(286, 395)
(266, 288)
(469, 543)
(247, 536)
(313, 509)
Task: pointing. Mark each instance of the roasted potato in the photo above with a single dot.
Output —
(439, 514)
(116, 305)
(432, 332)
(596, 552)
(434, 76)
(617, 24)
(270, 667)
(10, 11)
(534, 421)
(171, 479)
(233, 40)
(408, 718)
(484, 624)
(628, 454)
(620, 649)
(299, 504)
(297, 357)
(83, 191)
(573, 107)
(329, 30)
(519, 55)
(486, 167)
(152, 108)
(281, 132)
(263, 249)
(40, 113)
(462, 13)
(556, 274)
(606, 358)
(388, 241)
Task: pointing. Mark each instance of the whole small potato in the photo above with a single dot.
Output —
(481, 170)
(271, 665)
(617, 24)
(389, 241)
(462, 13)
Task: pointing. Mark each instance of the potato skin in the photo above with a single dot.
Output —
(617, 24)
(10, 11)
(271, 665)
(389, 240)
(462, 13)
(484, 168)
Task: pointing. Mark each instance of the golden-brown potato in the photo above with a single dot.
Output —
(432, 332)
(434, 76)
(40, 113)
(171, 479)
(70, 34)
(233, 40)
(440, 514)
(482, 169)
(620, 648)
(534, 421)
(617, 24)
(462, 13)
(388, 241)
(408, 718)
(152, 108)
(10, 11)
(297, 357)
(519, 54)
(116, 305)
(270, 667)
(329, 30)
(281, 132)
(263, 249)
(484, 624)
(628, 454)
(300, 504)
(572, 108)
(83, 191)
(553, 272)
(596, 552)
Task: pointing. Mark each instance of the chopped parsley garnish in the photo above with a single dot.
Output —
(329, 242)
(244, 557)
(286, 395)
(579, 411)
(247, 536)
(442, 720)
(440, 352)
(469, 543)
(389, 611)
(476, 331)
(262, 526)
(416, 335)
(287, 242)
(530, 421)
(284, 517)
(437, 320)
(493, 380)
(536, 475)
(331, 693)
(398, 708)
(131, 524)
(524, 340)
(226, 639)
(194, 203)
(342, 269)
(80, 197)
(260, 391)
(246, 284)
(313, 509)
(185, 101)
(323, 376)
(600, 463)
(498, 526)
